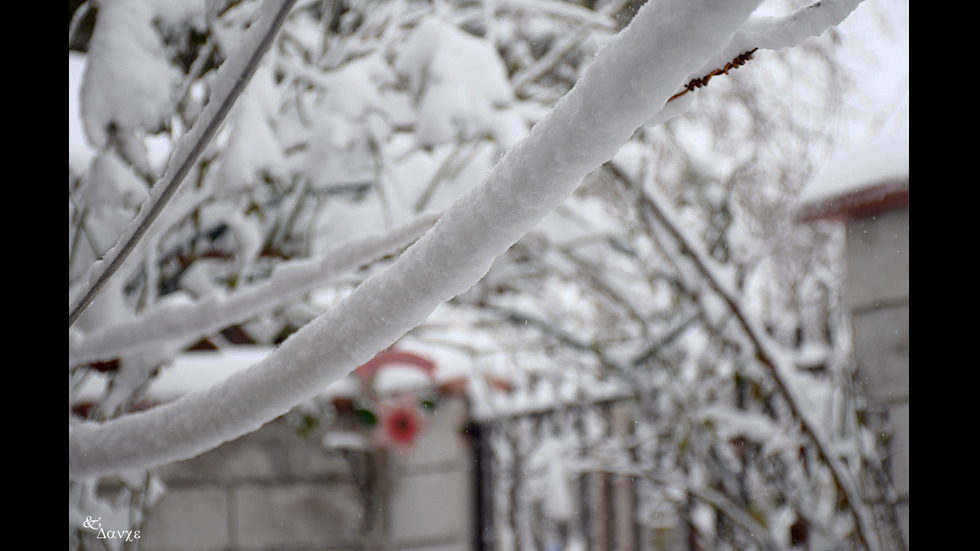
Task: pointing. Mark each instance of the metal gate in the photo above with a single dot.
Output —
(561, 480)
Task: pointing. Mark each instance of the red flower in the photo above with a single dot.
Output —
(400, 425)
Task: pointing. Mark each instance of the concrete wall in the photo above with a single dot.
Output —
(275, 489)
(878, 292)
(268, 490)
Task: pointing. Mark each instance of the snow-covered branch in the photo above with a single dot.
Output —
(554, 55)
(630, 79)
(775, 33)
(181, 324)
(771, 355)
(234, 76)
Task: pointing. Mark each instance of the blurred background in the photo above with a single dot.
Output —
(689, 353)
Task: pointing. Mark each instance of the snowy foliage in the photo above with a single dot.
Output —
(624, 256)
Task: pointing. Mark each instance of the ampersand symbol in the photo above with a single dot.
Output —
(93, 523)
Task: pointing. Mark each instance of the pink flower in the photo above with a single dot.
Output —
(399, 425)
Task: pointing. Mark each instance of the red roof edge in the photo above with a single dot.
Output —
(865, 202)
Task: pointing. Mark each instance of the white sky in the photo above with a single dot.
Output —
(876, 41)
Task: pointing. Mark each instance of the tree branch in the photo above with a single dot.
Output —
(181, 324)
(769, 354)
(630, 79)
(233, 77)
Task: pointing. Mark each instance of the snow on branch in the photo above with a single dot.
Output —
(547, 62)
(233, 76)
(770, 354)
(630, 79)
(772, 33)
(181, 324)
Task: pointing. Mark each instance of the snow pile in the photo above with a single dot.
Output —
(79, 151)
(128, 80)
(460, 84)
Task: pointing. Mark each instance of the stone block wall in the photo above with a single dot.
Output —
(277, 490)
(272, 489)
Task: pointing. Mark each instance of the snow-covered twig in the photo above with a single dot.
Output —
(233, 77)
(775, 33)
(769, 353)
(548, 62)
(737, 514)
(182, 324)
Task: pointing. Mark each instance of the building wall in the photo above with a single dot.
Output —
(275, 489)
(878, 291)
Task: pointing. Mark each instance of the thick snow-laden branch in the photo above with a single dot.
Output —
(630, 80)
(182, 324)
(233, 76)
